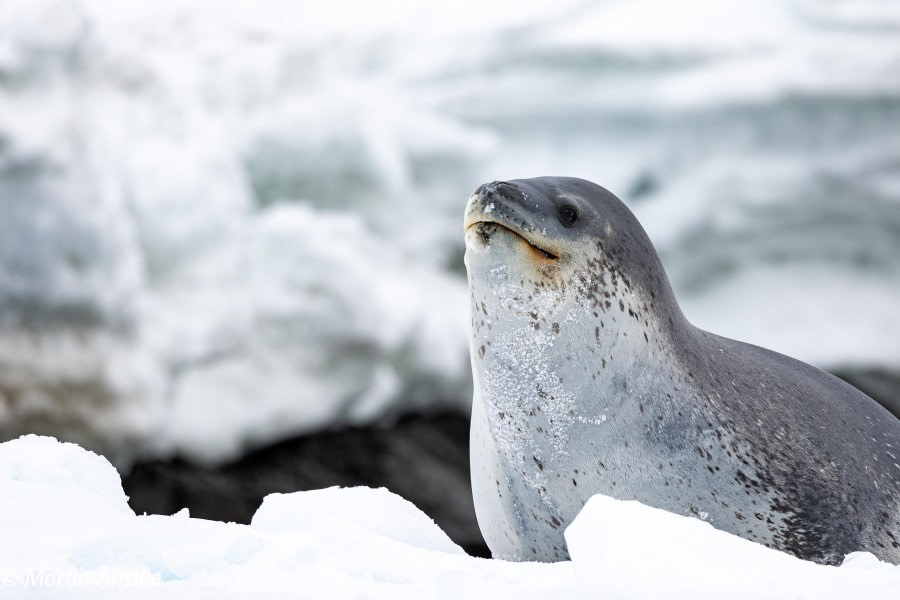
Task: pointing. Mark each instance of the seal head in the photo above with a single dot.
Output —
(589, 379)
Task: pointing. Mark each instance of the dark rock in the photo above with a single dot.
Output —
(424, 458)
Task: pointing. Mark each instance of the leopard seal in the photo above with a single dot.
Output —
(589, 379)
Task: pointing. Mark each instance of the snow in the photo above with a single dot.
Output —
(68, 531)
(178, 270)
(331, 509)
(688, 558)
(337, 327)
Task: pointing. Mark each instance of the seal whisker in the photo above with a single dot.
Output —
(545, 253)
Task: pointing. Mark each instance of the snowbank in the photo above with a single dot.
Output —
(193, 261)
(67, 529)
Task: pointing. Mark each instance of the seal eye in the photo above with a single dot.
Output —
(568, 214)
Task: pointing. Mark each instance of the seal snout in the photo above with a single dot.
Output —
(501, 205)
(496, 202)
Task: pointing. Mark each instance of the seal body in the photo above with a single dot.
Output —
(589, 379)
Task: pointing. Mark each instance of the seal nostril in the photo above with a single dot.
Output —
(482, 190)
(507, 190)
(501, 188)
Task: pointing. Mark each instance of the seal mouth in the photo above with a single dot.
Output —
(481, 224)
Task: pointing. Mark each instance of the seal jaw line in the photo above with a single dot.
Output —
(545, 253)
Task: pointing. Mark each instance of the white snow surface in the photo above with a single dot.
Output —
(68, 532)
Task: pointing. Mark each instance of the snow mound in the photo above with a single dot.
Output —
(364, 509)
(633, 550)
(66, 528)
(53, 472)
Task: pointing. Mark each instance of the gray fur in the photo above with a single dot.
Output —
(588, 379)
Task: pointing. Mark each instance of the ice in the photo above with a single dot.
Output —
(338, 327)
(68, 531)
(861, 335)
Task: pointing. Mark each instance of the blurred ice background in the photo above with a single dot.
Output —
(223, 224)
